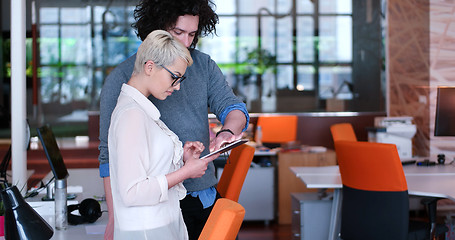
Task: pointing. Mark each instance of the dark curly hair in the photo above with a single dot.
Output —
(152, 15)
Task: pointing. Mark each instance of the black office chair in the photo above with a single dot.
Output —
(375, 203)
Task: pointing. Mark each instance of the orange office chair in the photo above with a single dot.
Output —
(375, 203)
(278, 129)
(224, 221)
(343, 131)
(234, 173)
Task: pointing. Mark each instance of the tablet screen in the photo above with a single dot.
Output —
(227, 147)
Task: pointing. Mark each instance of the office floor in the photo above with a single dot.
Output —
(252, 230)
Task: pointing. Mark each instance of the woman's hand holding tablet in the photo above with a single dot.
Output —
(227, 147)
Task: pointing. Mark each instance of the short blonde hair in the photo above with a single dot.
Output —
(161, 48)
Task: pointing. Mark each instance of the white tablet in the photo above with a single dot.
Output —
(227, 147)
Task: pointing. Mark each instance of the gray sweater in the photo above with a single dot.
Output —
(185, 112)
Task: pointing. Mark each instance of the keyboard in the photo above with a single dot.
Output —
(408, 162)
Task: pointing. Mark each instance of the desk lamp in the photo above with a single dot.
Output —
(21, 221)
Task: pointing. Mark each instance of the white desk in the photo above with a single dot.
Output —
(92, 185)
(408, 170)
(431, 181)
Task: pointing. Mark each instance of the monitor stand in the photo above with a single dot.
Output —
(50, 193)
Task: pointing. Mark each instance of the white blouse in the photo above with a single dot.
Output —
(142, 150)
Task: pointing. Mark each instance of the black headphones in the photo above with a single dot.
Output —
(89, 209)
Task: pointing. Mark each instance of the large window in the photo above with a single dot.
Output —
(78, 45)
(310, 42)
(278, 55)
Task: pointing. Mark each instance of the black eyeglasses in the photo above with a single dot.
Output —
(176, 78)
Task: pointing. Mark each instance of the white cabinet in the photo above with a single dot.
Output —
(310, 217)
(257, 195)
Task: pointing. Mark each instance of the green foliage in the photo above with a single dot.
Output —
(6, 57)
(2, 208)
(257, 61)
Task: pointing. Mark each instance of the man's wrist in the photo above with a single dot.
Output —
(224, 130)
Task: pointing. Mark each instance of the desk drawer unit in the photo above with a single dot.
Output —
(257, 195)
(289, 183)
(310, 217)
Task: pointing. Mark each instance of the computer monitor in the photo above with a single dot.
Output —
(445, 112)
(52, 151)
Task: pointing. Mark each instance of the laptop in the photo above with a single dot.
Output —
(52, 151)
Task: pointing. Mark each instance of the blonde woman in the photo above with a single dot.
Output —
(147, 161)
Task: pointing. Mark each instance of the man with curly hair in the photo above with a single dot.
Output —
(185, 112)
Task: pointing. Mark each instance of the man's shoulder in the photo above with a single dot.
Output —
(125, 66)
(196, 54)
(202, 62)
(119, 75)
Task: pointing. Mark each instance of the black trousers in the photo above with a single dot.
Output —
(195, 215)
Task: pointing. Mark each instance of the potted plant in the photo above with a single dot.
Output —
(257, 62)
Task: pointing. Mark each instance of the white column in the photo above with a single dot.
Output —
(18, 96)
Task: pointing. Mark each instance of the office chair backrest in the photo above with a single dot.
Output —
(375, 201)
(343, 131)
(370, 166)
(278, 129)
(224, 221)
(234, 172)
